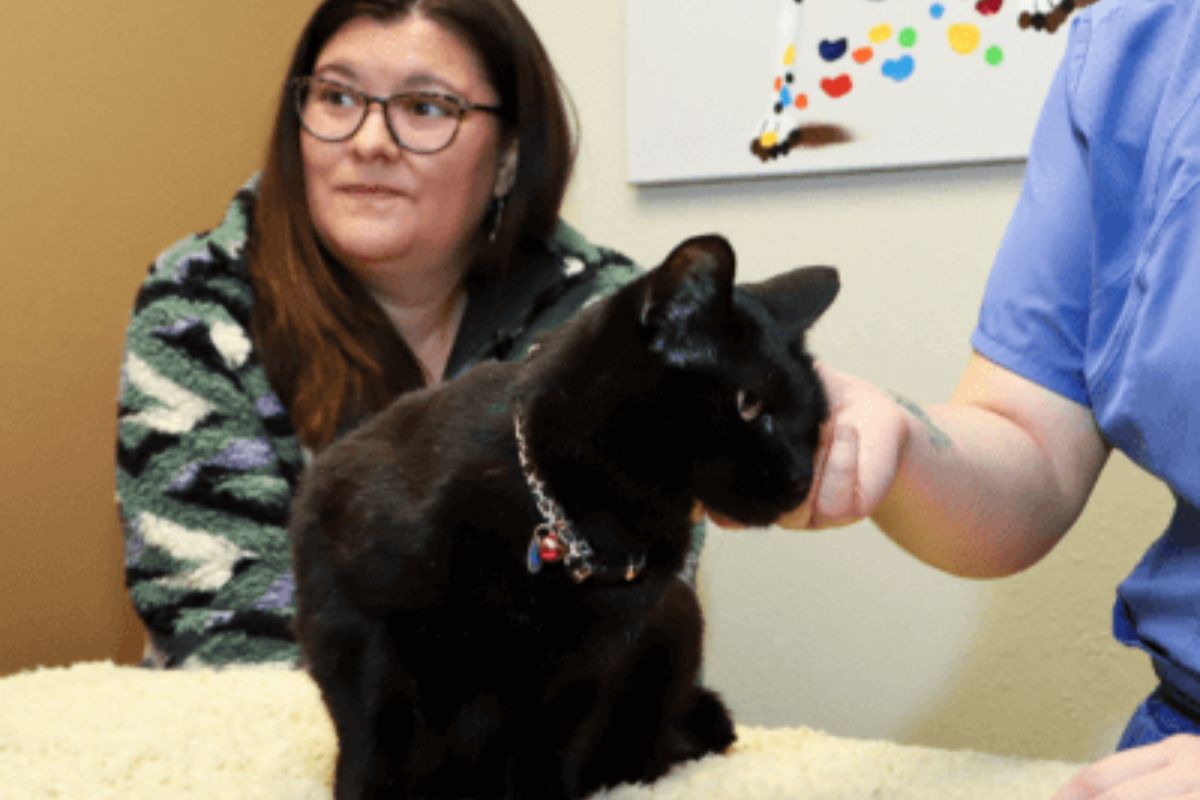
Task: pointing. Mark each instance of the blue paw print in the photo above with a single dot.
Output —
(899, 69)
(832, 50)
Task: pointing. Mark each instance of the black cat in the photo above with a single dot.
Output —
(487, 571)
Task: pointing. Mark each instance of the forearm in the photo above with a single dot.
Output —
(974, 495)
(988, 483)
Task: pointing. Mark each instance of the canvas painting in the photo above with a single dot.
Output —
(749, 88)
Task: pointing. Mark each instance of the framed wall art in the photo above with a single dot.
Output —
(750, 88)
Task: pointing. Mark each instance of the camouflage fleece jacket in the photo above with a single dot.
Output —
(207, 459)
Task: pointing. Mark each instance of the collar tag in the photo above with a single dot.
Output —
(555, 539)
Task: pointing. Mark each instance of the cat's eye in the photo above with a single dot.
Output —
(750, 405)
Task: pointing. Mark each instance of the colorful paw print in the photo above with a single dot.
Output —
(838, 86)
(785, 98)
(831, 51)
(963, 38)
(899, 69)
(894, 49)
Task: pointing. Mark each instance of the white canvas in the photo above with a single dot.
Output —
(930, 82)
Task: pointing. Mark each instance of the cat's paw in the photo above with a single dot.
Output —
(709, 723)
(704, 729)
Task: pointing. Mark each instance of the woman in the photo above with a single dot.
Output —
(1086, 342)
(404, 227)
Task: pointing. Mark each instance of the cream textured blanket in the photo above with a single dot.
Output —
(95, 731)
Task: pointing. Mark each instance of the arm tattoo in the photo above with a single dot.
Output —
(937, 437)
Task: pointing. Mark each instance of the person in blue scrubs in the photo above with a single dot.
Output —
(1088, 340)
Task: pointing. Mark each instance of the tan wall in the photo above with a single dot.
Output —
(127, 124)
(124, 125)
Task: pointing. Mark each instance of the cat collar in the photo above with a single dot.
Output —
(555, 539)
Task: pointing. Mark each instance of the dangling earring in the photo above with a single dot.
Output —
(497, 217)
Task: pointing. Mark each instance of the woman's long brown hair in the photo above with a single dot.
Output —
(329, 350)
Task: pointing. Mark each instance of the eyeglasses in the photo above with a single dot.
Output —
(421, 122)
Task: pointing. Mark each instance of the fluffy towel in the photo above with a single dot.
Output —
(96, 731)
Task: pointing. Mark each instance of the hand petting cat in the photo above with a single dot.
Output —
(983, 485)
(861, 446)
(856, 464)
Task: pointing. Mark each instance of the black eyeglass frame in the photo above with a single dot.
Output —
(301, 86)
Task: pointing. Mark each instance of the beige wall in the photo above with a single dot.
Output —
(124, 126)
(135, 121)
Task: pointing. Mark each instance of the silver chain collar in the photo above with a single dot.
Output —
(555, 538)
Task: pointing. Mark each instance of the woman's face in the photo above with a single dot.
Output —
(385, 212)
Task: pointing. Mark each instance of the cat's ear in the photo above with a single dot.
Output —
(798, 297)
(686, 298)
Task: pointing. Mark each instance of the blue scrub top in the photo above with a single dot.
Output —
(1095, 293)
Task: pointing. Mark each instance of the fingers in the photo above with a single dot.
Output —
(830, 379)
(858, 455)
(799, 518)
(1094, 780)
(855, 465)
(836, 493)
(699, 512)
(724, 521)
(1168, 769)
(802, 517)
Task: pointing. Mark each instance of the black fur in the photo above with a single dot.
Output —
(451, 671)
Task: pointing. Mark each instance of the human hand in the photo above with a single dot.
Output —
(1166, 769)
(856, 463)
